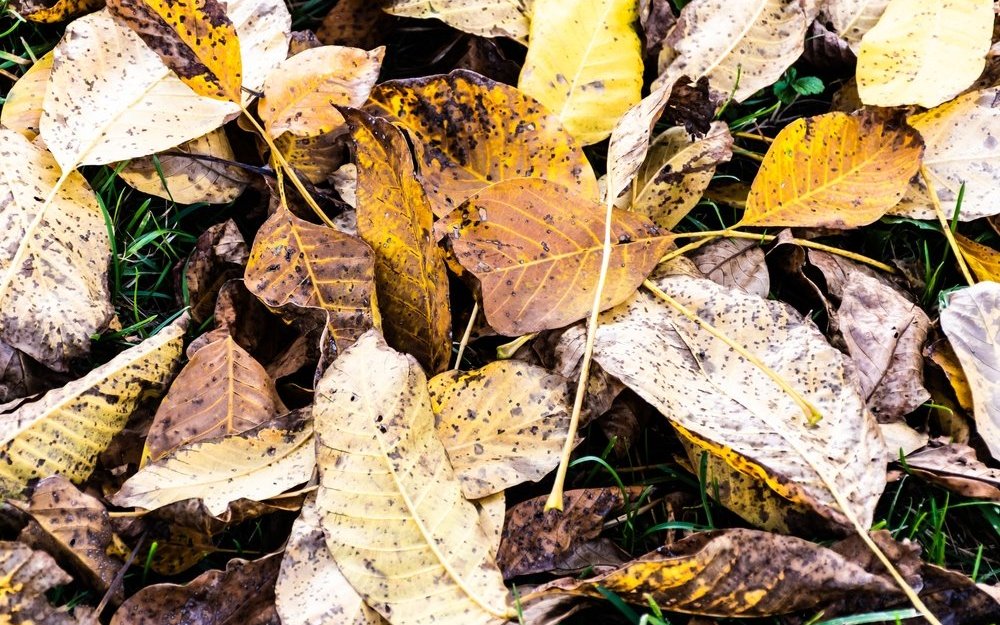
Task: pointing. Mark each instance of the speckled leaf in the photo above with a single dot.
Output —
(22, 108)
(834, 170)
(194, 38)
(254, 465)
(740, 45)
(972, 324)
(984, 261)
(65, 430)
(190, 180)
(470, 132)
(735, 263)
(301, 94)
(851, 19)
(733, 573)
(962, 139)
(395, 218)
(924, 52)
(314, 158)
(221, 390)
(310, 589)
(27, 575)
(486, 18)
(53, 256)
(584, 63)
(492, 509)
(730, 408)
(52, 11)
(536, 249)
(263, 27)
(391, 505)
(502, 425)
(301, 266)
(629, 141)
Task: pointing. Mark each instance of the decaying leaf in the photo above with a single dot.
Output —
(222, 390)
(735, 572)
(735, 263)
(390, 503)
(970, 322)
(395, 218)
(983, 260)
(65, 430)
(355, 23)
(54, 258)
(584, 63)
(470, 132)
(27, 575)
(729, 407)
(492, 509)
(219, 255)
(954, 466)
(629, 142)
(22, 108)
(486, 18)
(502, 425)
(851, 19)
(536, 249)
(51, 11)
(834, 170)
(310, 589)
(920, 53)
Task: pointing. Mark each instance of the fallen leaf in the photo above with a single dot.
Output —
(486, 18)
(657, 18)
(502, 425)
(355, 23)
(395, 218)
(584, 63)
(470, 132)
(954, 466)
(52, 11)
(492, 509)
(534, 539)
(900, 439)
(22, 108)
(54, 265)
(22, 376)
(735, 263)
(536, 247)
(629, 143)
(263, 27)
(315, 157)
(65, 430)
(851, 19)
(27, 576)
(391, 506)
(941, 354)
(983, 260)
(970, 322)
(924, 54)
(243, 593)
(705, 390)
(833, 170)
(218, 256)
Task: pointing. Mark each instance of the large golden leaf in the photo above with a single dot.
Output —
(740, 45)
(536, 249)
(834, 170)
(53, 256)
(972, 323)
(221, 390)
(727, 406)
(194, 38)
(395, 219)
(299, 265)
(22, 108)
(390, 503)
(65, 430)
(924, 52)
(584, 63)
(470, 132)
(486, 18)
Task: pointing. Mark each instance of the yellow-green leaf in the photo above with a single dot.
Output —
(834, 170)
(470, 132)
(395, 219)
(65, 430)
(391, 506)
(486, 18)
(924, 52)
(584, 63)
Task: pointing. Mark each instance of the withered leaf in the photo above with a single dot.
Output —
(954, 466)
(218, 256)
(52, 11)
(487, 18)
(27, 575)
(735, 263)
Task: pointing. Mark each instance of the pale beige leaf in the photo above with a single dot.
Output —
(955, 466)
(254, 465)
(263, 27)
(310, 589)
(629, 142)
(961, 145)
(65, 430)
(972, 323)
(924, 52)
(27, 575)
(502, 425)
(485, 18)
(22, 108)
(730, 408)
(491, 517)
(391, 505)
(53, 256)
(741, 45)
(735, 263)
(851, 19)
(190, 180)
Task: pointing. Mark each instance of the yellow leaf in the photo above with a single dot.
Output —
(485, 18)
(194, 38)
(391, 506)
(22, 109)
(834, 170)
(924, 52)
(470, 132)
(301, 94)
(851, 19)
(584, 63)
(984, 261)
(65, 430)
(54, 264)
(49, 12)
(395, 219)
(315, 158)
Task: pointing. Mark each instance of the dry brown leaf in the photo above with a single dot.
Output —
(355, 23)
(983, 261)
(502, 425)
(21, 375)
(954, 466)
(486, 18)
(735, 263)
(27, 575)
(219, 255)
(22, 108)
(391, 505)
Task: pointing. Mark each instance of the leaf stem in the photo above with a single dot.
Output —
(755, 137)
(945, 226)
(465, 335)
